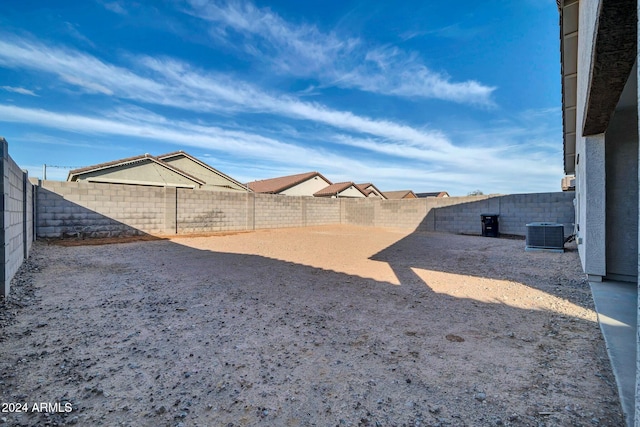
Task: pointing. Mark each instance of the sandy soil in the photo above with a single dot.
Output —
(326, 326)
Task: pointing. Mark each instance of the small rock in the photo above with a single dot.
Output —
(481, 396)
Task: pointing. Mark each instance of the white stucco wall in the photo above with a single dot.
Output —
(351, 192)
(307, 188)
(590, 187)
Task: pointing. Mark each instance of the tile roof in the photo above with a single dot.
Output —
(398, 194)
(336, 188)
(433, 194)
(364, 188)
(276, 185)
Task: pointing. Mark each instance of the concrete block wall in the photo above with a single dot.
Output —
(517, 210)
(94, 209)
(100, 210)
(206, 211)
(361, 212)
(16, 225)
(458, 214)
(278, 211)
(405, 213)
(321, 211)
(30, 214)
(462, 214)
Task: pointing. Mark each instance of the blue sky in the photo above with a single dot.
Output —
(408, 95)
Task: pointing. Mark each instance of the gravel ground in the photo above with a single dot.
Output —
(325, 326)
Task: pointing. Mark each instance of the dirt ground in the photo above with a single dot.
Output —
(325, 326)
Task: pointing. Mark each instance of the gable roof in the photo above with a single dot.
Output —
(336, 188)
(75, 173)
(201, 163)
(399, 194)
(281, 183)
(366, 188)
(433, 194)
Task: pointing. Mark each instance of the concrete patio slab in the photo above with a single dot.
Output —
(616, 303)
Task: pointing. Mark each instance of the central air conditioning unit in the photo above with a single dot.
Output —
(545, 236)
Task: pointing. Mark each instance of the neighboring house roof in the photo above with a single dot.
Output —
(145, 158)
(433, 194)
(337, 188)
(178, 154)
(367, 188)
(279, 184)
(400, 194)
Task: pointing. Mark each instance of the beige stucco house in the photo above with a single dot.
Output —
(213, 178)
(149, 170)
(371, 190)
(303, 184)
(138, 170)
(400, 194)
(341, 189)
(432, 194)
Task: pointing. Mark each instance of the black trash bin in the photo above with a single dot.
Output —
(490, 226)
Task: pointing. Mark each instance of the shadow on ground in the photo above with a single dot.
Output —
(161, 333)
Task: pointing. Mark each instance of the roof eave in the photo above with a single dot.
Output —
(569, 14)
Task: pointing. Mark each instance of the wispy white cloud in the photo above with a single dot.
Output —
(303, 49)
(72, 66)
(456, 31)
(20, 90)
(73, 31)
(424, 155)
(115, 7)
(401, 164)
(126, 123)
(297, 49)
(164, 81)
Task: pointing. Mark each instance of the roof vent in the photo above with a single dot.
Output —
(545, 236)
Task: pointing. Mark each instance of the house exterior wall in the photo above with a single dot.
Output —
(212, 179)
(306, 188)
(637, 391)
(621, 155)
(351, 192)
(146, 173)
(590, 155)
